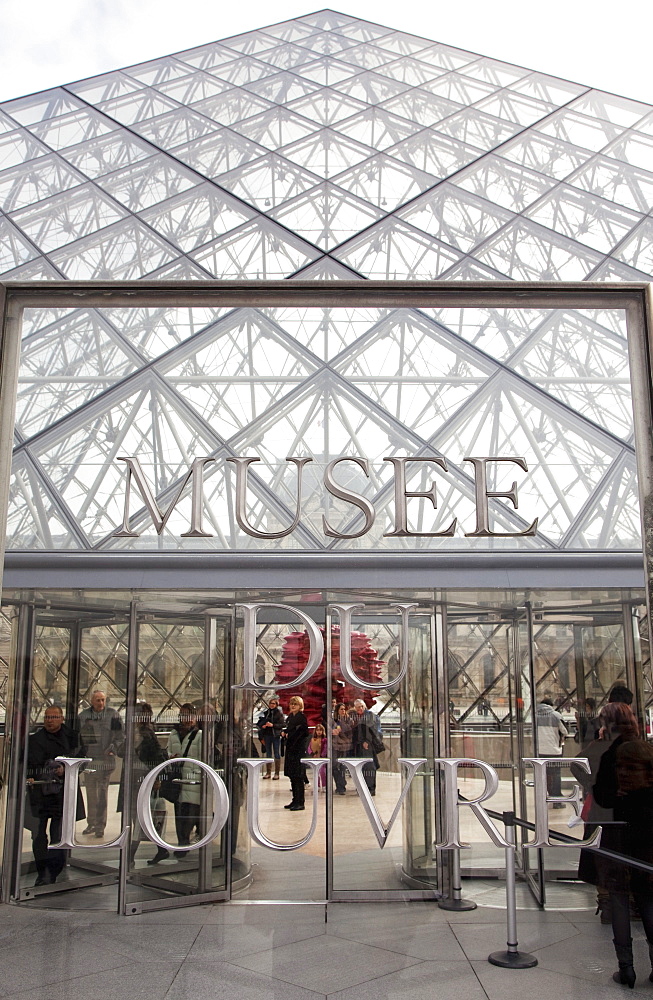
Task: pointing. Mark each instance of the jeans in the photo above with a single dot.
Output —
(272, 744)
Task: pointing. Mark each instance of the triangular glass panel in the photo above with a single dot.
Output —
(637, 250)
(393, 249)
(477, 128)
(365, 56)
(126, 250)
(235, 370)
(20, 147)
(503, 183)
(371, 87)
(175, 128)
(324, 269)
(158, 71)
(65, 365)
(197, 216)
(433, 153)
(286, 55)
(326, 153)
(193, 88)
(496, 332)
(154, 332)
(67, 217)
(34, 518)
(566, 457)
(326, 332)
(415, 371)
(142, 419)
(385, 181)
(275, 128)
(41, 107)
(583, 217)
(257, 250)
(218, 153)
(269, 181)
(111, 152)
(325, 106)
(148, 182)
(612, 519)
(548, 156)
(377, 128)
(584, 364)
(527, 252)
(282, 87)
(326, 215)
(616, 182)
(327, 71)
(455, 217)
(236, 104)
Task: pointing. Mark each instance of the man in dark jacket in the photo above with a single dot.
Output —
(45, 789)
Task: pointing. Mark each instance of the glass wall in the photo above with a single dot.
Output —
(142, 678)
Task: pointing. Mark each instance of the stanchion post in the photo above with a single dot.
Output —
(512, 958)
(455, 900)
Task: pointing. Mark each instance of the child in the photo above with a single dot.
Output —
(317, 747)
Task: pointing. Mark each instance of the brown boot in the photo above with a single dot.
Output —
(277, 768)
(268, 771)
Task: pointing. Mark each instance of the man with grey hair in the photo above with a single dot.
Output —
(102, 735)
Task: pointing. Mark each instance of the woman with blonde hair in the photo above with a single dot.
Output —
(296, 737)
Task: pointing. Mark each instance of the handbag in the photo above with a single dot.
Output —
(170, 789)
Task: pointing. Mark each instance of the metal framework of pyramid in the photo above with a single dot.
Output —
(324, 147)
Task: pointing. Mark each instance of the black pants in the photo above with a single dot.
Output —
(297, 786)
(340, 776)
(189, 817)
(47, 860)
(621, 916)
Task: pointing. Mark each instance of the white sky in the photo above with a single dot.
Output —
(606, 45)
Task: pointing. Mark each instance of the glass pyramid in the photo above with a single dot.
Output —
(324, 147)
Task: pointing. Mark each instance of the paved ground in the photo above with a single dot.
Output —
(366, 951)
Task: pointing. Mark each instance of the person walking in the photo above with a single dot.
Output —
(45, 781)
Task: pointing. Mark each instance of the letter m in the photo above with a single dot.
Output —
(160, 517)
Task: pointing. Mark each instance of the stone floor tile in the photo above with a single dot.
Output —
(326, 963)
(427, 981)
(202, 980)
(428, 941)
(130, 981)
(233, 941)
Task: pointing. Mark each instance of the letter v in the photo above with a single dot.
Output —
(355, 767)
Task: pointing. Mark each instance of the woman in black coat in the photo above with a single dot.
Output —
(296, 737)
(625, 784)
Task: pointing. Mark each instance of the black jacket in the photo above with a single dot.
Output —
(632, 834)
(42, 747)
(296, 742)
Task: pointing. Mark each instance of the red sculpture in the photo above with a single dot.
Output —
(294, 657)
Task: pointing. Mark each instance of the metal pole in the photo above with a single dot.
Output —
(512, 958)
(455, 901)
